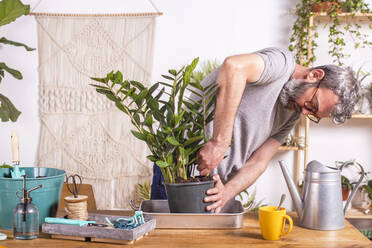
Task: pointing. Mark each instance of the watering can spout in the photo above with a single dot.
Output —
(292, 189)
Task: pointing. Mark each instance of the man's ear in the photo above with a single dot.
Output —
(315, 75)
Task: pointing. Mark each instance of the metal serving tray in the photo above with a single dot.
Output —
(231, 216)
(91, 233)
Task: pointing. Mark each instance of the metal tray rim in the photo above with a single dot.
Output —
(193, 214)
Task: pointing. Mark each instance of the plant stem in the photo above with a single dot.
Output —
(204, 119)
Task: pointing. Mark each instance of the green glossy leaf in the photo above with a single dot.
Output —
(173, 141)
(118, 77)
(209, 118)
(167, 77)
(161, 164)
(141, 96)
(151, 158)
(210, 89)
(101, 80)
(153, 88)
(195, 93)
(153, 105)
(121, 107)
(157, 97)
(166, 84)
(148, 121)
(138, 85)
(193, 140)
(98, 86)
(197, 85)
(8, 110)
(129, 94)
(16, 74)
(14, 43)
(137, 119)
(10, 10)
(109, 77)
(138, 135)
(173, 72)
(170, 158)
(104, 91)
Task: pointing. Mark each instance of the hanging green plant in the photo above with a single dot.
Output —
(10, 10)
(299, 40)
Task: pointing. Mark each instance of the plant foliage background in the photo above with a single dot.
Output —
(10, 10)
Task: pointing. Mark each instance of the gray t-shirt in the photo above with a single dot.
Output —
(260, 116)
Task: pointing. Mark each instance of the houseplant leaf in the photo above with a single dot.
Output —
(161, 164)
(167, 121)
(139, 135)
(8, 110)
(173, 141)
(10, 10)
(14, 43)
(16, 74)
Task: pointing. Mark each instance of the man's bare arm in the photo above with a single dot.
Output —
(246, 176)
(233, 76)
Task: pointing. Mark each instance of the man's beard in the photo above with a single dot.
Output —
(290, 92)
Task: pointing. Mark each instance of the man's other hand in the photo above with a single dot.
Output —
(218, 195)
(210, 156)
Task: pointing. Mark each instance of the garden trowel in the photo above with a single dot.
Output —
(15, 172)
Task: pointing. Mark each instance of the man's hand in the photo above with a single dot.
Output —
(218, 195)
(210, 156)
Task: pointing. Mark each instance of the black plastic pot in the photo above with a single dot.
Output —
(188, 197)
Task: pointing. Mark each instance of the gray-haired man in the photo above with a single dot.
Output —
(260, 98)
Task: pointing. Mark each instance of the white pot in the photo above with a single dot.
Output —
(360, 200)
(365, 103)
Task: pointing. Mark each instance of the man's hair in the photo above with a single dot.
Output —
(342, 82)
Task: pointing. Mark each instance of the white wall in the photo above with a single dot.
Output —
(208, 29)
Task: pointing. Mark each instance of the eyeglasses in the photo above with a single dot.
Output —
(309, 106)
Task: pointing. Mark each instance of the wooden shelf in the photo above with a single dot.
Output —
(345, 16)
(354, 213)
(360, 116)
(289, 148)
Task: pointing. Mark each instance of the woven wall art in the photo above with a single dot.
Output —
(81, 131)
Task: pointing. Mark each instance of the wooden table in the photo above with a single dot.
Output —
(248, 236)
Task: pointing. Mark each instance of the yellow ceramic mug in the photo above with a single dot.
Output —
(272, 222)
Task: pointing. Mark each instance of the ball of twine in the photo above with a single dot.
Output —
(76, 208)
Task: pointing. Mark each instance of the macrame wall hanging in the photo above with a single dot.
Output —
(81, 131)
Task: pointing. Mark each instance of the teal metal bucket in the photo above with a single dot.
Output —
(46, 198)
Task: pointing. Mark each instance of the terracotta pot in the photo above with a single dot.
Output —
(325, 7)
(345, 193)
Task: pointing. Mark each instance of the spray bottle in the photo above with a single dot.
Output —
(26, 215)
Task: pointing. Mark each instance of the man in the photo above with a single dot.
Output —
(260, 98)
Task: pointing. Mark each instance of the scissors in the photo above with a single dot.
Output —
(74, 189)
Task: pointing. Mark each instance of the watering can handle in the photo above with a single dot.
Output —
(358, 183)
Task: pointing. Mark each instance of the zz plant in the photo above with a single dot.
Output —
(301, 27)
(170, 119)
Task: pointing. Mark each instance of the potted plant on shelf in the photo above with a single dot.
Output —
(173, 126)
(365, 100)
(299, 40)
(325, 6)
(10, 10)
(367, 188)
